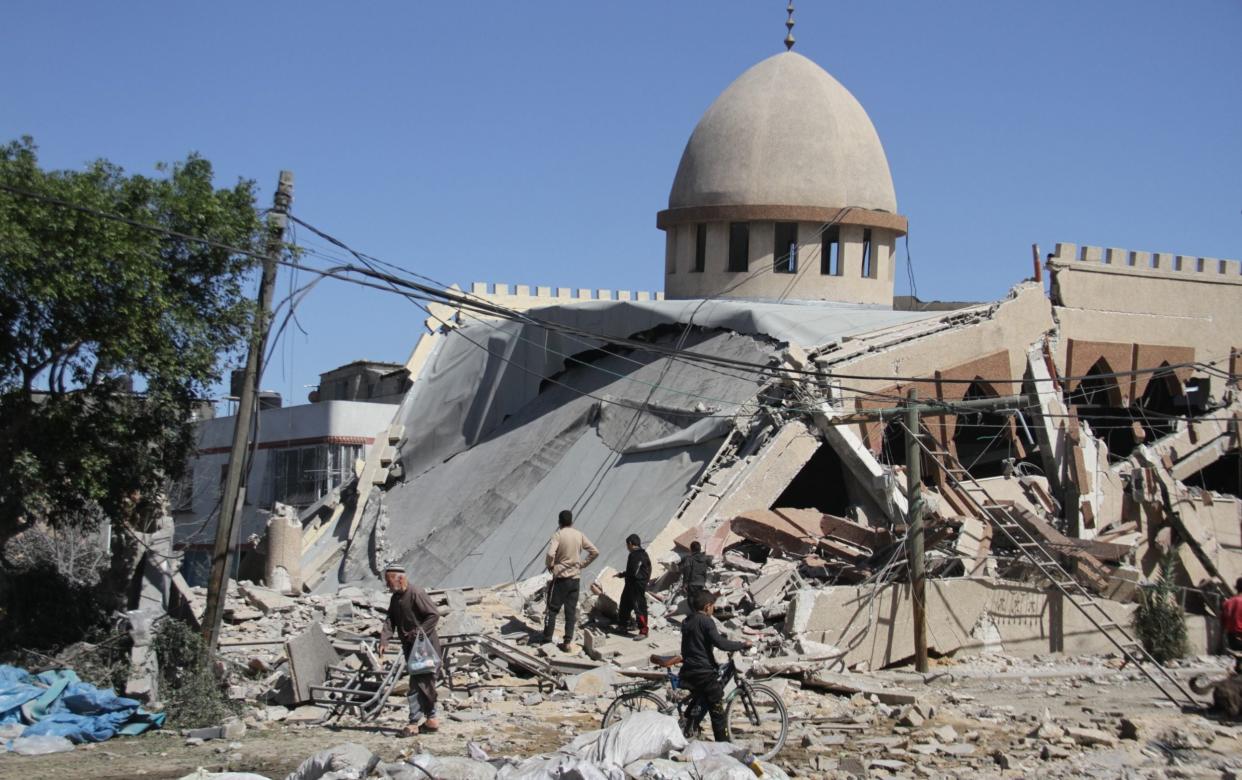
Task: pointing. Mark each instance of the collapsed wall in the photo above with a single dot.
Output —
(490, 441)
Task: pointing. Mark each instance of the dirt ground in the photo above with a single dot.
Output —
(991, 711)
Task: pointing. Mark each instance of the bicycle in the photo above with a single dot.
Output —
(755, 713)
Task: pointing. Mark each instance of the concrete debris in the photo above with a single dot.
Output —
(1023, 682)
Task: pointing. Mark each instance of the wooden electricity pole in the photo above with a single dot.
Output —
(914, 530)
(235, 478)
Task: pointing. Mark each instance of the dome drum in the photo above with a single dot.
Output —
(776, 260)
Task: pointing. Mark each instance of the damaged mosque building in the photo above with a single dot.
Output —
(1083, 430)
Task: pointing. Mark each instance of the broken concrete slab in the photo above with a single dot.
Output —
(773, 580)
(851, 684)
(265, 599)
(309, 656)
(788, 531)
(607, 589)
(307, 713)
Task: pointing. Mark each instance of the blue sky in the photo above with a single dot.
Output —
(534, 142)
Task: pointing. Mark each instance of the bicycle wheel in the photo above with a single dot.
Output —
(757, 720)
(626, 703)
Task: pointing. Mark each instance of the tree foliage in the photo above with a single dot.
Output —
(1159, 619)
(91, 309)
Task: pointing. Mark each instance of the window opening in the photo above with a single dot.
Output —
(983, 439)
(303, 475)
(1097, 399)
(829, 255)
(1158, 408)
(739, 246)
(868, 269)
(785, 249)
(700, 248)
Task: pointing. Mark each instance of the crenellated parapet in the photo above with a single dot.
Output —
(1112, 259)
(523, 296)
(1114, 303)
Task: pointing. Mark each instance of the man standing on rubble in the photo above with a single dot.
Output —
(409, 610)
(634, 595)
(564, 561)
(699, 670)
(694, 568)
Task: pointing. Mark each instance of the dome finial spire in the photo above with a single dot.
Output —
(789, 25)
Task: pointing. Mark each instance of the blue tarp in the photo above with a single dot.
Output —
(57, 703)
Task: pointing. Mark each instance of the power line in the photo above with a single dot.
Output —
(496, 310)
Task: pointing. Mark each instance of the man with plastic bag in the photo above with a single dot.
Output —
(412, 617)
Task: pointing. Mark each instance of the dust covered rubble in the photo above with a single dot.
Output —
(646, 745)
(844, 722)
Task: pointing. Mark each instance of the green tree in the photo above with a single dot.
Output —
(91, 309)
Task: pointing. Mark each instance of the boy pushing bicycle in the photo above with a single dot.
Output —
(699, 670)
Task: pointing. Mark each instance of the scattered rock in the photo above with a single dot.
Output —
(911, 718)
(946, 733)
(233, 729)
(1090, 737)
(1049, 731)
(307, 713)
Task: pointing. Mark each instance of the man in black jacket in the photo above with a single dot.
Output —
(699, 670)
(634, 596)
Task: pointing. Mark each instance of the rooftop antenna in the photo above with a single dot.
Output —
(789, 25)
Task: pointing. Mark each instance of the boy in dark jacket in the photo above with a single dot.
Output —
(634, 596)
(699, 670)
(694, 569)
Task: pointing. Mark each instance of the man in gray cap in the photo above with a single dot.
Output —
(409, 610)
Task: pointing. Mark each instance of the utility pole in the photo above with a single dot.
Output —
(914, 530)
(235, 478)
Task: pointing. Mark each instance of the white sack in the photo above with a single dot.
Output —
(639, 735)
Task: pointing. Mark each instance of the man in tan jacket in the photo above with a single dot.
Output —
(564, 561)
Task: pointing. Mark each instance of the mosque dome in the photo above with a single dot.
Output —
(784, 134)
(783, 193)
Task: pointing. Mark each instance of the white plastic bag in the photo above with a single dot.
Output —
(423, 657)
(41, 745)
